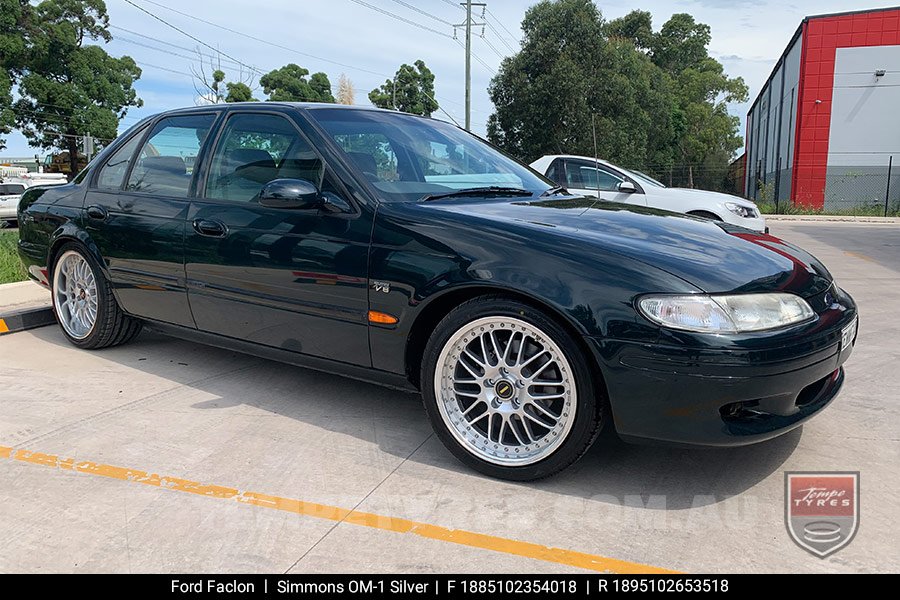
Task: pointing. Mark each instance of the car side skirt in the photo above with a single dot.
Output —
(368, 375)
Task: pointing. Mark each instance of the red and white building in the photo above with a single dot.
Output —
(824, 131)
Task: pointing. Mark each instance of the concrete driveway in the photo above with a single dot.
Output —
(167, 456)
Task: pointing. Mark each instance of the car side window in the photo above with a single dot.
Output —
(112, 173)
(255, 149)
(592, 177)
(165, 163)
(10, 189)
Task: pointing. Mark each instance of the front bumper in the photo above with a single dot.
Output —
(711, 397)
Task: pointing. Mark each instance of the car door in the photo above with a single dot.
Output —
(596, 179)
(10, 193)
(135, 212)
(294, 279)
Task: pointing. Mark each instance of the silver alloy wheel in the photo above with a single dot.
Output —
(75, 294)
(505, 391)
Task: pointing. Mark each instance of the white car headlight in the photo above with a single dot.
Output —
(741, 210)
(726, 313)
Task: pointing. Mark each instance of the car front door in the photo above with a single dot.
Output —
(290, 278)
(135, 212)
(595, 179)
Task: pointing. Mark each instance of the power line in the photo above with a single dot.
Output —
(499, 36)
(265, 41)
(512, 36)
(492, 47)
(453, 4)
(179, 30)
(397, 17)
(423, 12)
(478, 58)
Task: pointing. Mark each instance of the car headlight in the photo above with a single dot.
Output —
(726, 313)
(741, 210)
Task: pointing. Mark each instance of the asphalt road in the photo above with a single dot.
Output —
(168, 456)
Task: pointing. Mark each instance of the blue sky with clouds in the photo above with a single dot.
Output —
(343, 36)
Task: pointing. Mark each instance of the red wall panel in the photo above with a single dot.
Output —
(822, 36)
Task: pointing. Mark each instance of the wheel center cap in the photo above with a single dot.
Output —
(504, 389)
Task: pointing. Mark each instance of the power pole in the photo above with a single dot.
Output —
(468, 4)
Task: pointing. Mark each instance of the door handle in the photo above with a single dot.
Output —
(97, 213)
(210, 228)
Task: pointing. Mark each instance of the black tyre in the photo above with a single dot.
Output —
(84, 304)
(508, 391)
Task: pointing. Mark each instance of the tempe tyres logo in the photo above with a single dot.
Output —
(821, 510)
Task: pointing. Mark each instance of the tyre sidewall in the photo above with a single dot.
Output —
(585, 426)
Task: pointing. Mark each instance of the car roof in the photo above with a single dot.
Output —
(267, 103)
(553, 157)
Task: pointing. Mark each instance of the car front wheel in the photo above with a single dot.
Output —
(84, 303)
(508, 390)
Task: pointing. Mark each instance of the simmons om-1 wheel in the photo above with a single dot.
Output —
(84, 304)
(508, 390)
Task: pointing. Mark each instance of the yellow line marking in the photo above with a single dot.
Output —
(561, 556)
(860, 255)
(3, 327)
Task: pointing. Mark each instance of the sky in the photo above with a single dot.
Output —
(353, 37)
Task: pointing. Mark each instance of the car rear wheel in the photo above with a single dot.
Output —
(84, 303)
(508, 390)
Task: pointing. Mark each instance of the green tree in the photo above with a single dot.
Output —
(570, 79)
(706, 135)
(15, 23)
(69, 88)
(239, 92)
(411, 90)
(289, 84)
(656, 100)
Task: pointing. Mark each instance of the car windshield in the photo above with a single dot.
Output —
(646, 179)
(409, 158)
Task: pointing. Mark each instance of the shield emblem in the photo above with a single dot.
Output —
(821, 509)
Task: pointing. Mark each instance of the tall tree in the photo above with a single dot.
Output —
(238, 92)
(289, 84)
(706, 134)
(15, 25)
(411, 90)
(569, 80)
(657, 100)
(70, 88)
(345, 93)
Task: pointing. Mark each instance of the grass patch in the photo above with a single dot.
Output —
(863, 210)
(11, 268)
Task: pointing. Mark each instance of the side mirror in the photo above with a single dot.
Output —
(298, 194)
(626, 187)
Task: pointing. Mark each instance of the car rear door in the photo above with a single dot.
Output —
(135, 212)
(294, 279)
(596, 179)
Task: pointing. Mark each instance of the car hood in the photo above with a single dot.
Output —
(715, 257)
(694, 195)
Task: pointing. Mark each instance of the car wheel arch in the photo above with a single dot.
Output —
(438, 307)
(705, 214)
(66, 235)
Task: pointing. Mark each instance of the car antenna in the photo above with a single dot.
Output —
(596, 158)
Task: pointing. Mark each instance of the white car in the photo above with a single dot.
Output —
(590, 177)
(9, 200)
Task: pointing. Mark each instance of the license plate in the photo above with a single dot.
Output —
(848, 333)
